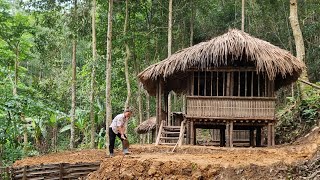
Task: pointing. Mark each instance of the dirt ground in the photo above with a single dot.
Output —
(198, 162)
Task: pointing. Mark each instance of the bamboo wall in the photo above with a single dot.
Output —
(230, 107)
(54, 171)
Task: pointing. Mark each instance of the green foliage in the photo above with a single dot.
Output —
(298, 117)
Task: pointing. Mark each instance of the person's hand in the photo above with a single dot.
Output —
(123, 137)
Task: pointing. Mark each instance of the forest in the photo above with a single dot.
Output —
(67, 67)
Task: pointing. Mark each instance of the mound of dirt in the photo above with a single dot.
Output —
(72, 157)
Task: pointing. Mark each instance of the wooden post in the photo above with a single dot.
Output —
(217, 83)
(188, 131)
(272, 135)
(269, 134)
(251, 137)
(223, 83)
(231, 134)
(211, 75)
(166, 107)
(222, 137)
(61, 171)
(24, 177)
(192, 132)
(205, 83)
(245, 83)
(258, 137)
(199, 83)
(252, 74)
(157, 108)
(239, 83)
(228, 84)
(8, 172)
(227, 132)
(192, 84)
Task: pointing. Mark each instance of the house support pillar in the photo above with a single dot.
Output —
(252, 137)
(222, 137)
(231, 134)
(192, 133)
(258, 137)
(271, 134)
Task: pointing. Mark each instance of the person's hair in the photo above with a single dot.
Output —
(128, 110)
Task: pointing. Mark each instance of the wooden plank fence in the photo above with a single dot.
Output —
(52, 171)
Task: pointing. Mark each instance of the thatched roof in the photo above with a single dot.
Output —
(235, 45)
(146, 126)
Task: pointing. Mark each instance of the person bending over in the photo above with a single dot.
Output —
(118, 128)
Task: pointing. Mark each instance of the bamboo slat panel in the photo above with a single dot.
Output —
(54, 171)
(231, 107)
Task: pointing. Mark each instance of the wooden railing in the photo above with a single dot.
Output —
(230, 107)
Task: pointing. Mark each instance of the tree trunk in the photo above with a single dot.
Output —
(140, 109)
(126, 59)
(148, 114)
(93, 74)
(108, 72)
(169, 53)
(73, 86)
(298, 38)
(242, 15)
(25, 135)
(16, 72)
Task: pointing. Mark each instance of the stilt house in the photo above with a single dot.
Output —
(229, 83)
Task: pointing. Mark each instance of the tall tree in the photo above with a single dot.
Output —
(298, 38)
(126, 69)
(242, 14)
(73, 83)
(93, 73)
(108, 72)
(169, 53)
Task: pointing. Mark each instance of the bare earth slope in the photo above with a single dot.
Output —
(295, 161)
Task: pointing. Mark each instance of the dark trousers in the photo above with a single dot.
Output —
(112, 139)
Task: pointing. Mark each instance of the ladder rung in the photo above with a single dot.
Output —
(170, 138)
(168, 144)
(172, 127)
(170, 132)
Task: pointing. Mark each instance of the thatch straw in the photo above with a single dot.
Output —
(146, 126)
(235, 45)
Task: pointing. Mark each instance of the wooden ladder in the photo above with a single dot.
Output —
(171, 135)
